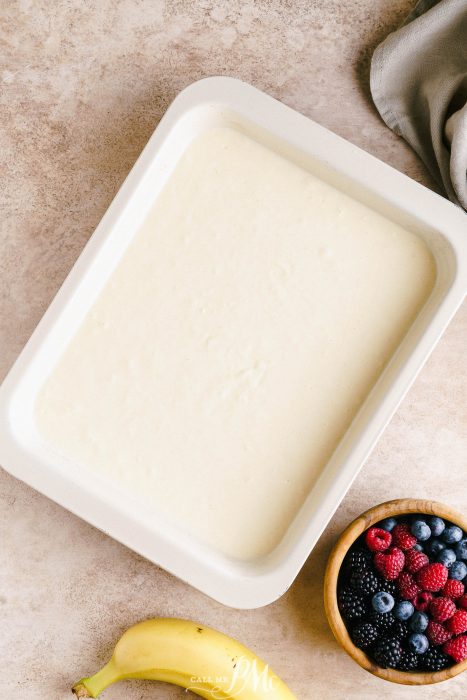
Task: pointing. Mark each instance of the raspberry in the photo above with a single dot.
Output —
(377, 539)
(435, 660)
(462, 602)
(453, 589)
(437, 633)
(422, 600)
(414, 561)
(390, 563)
(408, 588)
(442, 609)
(432, 577)
(457, 648)
(388, 652)
(402, 537)
(458, 622)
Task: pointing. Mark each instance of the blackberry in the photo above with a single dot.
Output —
(364, 635)
(365, 582)
(358, 560)
(388, 587)
(382, 621)
(351, 604)
(435, 660)
(400, 630)
(408, 661)
(388, 652)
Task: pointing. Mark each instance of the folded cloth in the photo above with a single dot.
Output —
(419, 85)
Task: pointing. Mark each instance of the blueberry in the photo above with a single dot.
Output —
(446, 557)
(452, 534)
(382, 602)
(418, 643)
(435, 546)
(458, 570)
(403, 610)
(418, 547)
(387, 524)
(436, 525)
(461, 549)
(420, 530)
(419, 621)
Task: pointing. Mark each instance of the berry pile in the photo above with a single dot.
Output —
(402, 593)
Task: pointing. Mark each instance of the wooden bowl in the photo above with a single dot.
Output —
(354, 530)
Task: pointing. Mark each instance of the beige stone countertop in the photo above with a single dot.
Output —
(83, 85)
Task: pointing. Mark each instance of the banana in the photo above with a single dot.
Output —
(190, 655)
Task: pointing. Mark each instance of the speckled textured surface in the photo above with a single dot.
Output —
(83, 86)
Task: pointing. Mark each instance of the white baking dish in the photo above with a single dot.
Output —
(208, 103)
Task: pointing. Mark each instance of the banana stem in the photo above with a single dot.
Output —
(94, 685)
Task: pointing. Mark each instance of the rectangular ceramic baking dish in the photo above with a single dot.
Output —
(206, 104)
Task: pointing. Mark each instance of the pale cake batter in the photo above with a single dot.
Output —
(234, 343)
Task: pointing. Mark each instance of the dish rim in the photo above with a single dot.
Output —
(241, 584)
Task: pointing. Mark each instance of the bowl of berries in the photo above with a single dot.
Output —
(395, 591)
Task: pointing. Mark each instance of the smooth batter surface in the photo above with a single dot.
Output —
(234, 343)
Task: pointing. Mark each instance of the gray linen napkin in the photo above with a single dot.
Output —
(419, 85)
